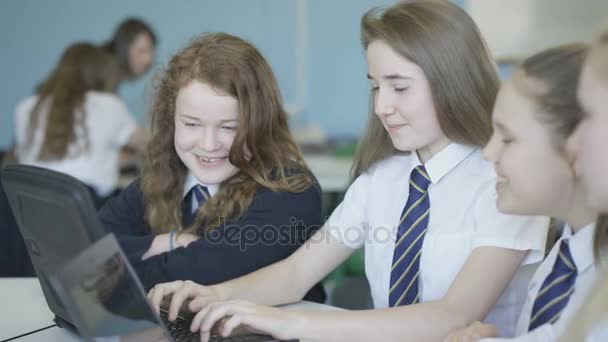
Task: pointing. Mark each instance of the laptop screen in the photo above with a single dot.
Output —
(103, 296)
(109, 303)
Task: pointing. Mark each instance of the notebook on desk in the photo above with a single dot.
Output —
(102, 293)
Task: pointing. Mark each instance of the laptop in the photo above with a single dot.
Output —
(57, 220)
(102, 293)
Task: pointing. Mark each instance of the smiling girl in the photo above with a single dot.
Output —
(224, 189)
(438, 253)
(534, 115)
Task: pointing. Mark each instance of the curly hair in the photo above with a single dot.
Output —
(263, 149)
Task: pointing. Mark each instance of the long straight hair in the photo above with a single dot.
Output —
(83, 67)
(263, 149)
(445, 43)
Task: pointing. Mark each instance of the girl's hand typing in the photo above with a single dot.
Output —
(224, 318)
(181, 291)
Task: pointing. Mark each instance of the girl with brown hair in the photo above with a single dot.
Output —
(132, 44)
(76, 124)
(224, 189)
(534, 115)
(422, 204)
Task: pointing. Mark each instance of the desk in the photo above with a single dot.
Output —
(23, 307)
(25, 310)
(54, 334)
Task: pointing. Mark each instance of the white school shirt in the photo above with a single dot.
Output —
(463, 217)
(109, 127)
(599, 332)
(190, 182)
(581, 248)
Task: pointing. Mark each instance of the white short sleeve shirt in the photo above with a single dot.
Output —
(109, 127)
(463, 216)
(581, 248)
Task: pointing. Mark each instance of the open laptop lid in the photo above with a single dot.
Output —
(105, 298)
(56, 217)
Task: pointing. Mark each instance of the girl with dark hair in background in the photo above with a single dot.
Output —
(132, 45)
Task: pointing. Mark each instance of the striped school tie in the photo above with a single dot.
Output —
(201, 193)
(408, 243)
(556, 289)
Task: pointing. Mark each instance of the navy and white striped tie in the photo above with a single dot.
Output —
(556, 290)
(201, 193)
(408, 244)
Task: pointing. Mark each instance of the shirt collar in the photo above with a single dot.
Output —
(191, 181)
(444, 161)
(581, 246)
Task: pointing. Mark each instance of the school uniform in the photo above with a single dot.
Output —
(273, 227)
(109, 126)
(461, 215)
(577, 253)
(599, 332)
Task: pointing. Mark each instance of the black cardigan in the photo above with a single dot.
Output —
(273, 227)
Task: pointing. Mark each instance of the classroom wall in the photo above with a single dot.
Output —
(334, 94)
(525, 27)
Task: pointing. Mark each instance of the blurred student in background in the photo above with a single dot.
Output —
(76, 124)
(133, 45)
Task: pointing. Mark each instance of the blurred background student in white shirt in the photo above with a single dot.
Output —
(75, 124)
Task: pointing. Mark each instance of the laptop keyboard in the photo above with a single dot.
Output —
(180, 331)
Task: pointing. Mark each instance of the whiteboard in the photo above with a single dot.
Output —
(515, 29)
